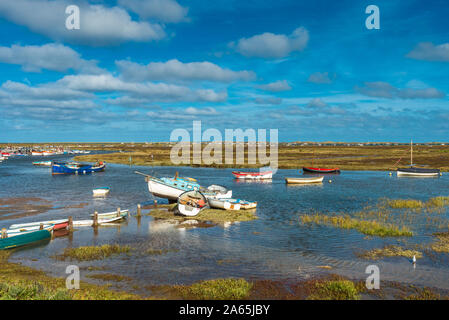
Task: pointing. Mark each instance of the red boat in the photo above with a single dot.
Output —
(253, 175)
(60, 226)
(320, 170)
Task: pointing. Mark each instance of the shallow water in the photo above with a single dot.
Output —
(276, 246)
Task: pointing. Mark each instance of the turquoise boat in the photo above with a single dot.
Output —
(24, 239)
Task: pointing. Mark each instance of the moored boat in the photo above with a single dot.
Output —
(58, 224)
(90, 222)
(24, 239)
(101, 191)
(320, 170)
(113, 214)
(304, 180)
(190, 203)
(76, 168)
(253, 175)
(42, 163)
(231, 204)
(413, 171)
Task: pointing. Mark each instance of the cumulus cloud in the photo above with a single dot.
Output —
(430, 52)
(268, 100)
(270, 45)
(177, 70)
(99, 25)
(164, 10)
(381, 89)
(321, 77)
(277, 86)
(55, 57)
(317, 103)
(209, 111)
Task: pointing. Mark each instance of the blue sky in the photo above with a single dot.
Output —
(138, 69)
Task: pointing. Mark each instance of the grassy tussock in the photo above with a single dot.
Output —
(212, 215)
(93, 252)
(431, 204)
(368, 227)
(218, 289)
(390, 251)
(335, 290)
(31, 291)
(442, 245)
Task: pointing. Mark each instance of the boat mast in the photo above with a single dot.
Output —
(411, 153)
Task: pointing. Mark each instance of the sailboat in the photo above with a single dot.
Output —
(314, 169)
(415, 171)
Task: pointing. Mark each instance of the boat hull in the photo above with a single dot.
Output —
(63, 168)
(417, 172)
(24, 239)
(304, 180)
(191, 203)
(252, 175)
(320, 170)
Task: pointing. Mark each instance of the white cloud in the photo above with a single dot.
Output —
(321, 77)
(55, 57)
(177, 70)
(429, 51)
(164, 10)
(100, 25)
(277, 86)
(317, 103)
(209, 111)
(381, 89)
(270, 45)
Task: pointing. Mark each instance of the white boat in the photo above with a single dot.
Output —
(48, 153)
(89, 223)
(16, 232)
(37, 153)
(42, 163)
(101, 191)
(190, 203)
(172, 188)
(113, 214)
(304, 180)
(33, 224)
(415, 171)
(226, 204)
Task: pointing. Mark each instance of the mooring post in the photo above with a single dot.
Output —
(95, 224)
(155, 203)
(70, 223)
(41, 227)
(4, 233)
(139, 210)
(118, 212)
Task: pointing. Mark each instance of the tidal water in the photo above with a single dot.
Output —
(275, 246)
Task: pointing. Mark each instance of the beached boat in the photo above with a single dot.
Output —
(76, 168)
(19, 231)
(231, 204)
(42, 163)
(113, 214)
(413, 171)
(89, 222)
(253, 175)
(57, 224)
(101, 191)
(320, 170)
(304, 180)
(190, 203)
(24, 239)
(172, 188)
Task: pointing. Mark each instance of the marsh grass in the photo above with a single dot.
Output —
(211, 215)
(92, 252)
(442, 245)
(31, 291)
(368, 227)
(390, 251)
(217, 289)
(335, 290)
(423, 294)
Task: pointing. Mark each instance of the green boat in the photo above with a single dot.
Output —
(24, 239)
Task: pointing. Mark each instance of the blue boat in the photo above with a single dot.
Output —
(76, 168)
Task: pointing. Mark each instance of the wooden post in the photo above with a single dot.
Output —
(155, 203)
(4, 233)
(95, 224)
(176, 175)
(118, 212)
(139, 210)
(70, 223)
(41, 227)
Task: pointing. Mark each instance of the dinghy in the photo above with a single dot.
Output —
(57, 224)
(172, 188)
(190, 203)
(101, 191)
(19, 231)
(42, 163)
(231, 204)
(415, 171)
(320, 170)
(304, 180)
(253, 175)
(89, 223)
(113, 214)
(24, 239)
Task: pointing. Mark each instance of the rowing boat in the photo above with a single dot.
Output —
(76, 168)
(89, 223)
(42, 163)
(109, 215)
(24, 239)
(253, 175)
(304, 180)
(58, 224)
(231, 204)
(190, 203)
(101, 191)
(320, 170)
